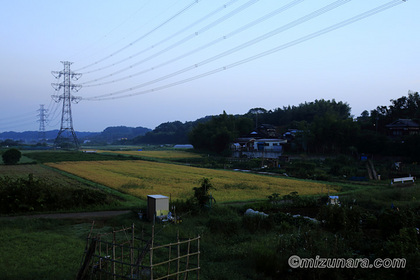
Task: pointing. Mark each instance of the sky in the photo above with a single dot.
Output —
(146, 62)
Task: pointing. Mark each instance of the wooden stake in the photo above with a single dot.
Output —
(151, 253)
(177, 266)
(113, 255)
(188, 260)
(132, 251)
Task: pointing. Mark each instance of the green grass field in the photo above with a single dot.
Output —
(40, 249)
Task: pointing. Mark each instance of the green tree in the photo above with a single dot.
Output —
(307, 111)
(217, 134)
(254, 113)
(201, 194)
(11, 156)
(405, 107)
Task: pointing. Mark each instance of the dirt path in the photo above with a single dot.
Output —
(80, 215)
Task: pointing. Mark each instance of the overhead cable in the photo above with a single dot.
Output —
(217, 10)
(257, 56)
(143, 36)
(267, 35)
(205, 46)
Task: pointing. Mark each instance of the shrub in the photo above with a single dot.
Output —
(258, 223)
(224, 221)
(11, 156)
(27, 195)
(201, 194)
(333, 217)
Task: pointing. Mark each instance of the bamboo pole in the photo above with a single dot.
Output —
(175, 243)
(177, 266)
(174, 259)
(188, 259)
(198, 258)
(122, 259)
(175, 273)
(169, 263)
(113, 256)
(132, 251)
(107, 265)
(100, 258)
(151, 253)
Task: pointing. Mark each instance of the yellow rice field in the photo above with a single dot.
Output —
(164, 154)
(142, 178)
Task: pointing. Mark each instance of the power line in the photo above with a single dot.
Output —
(21, 120)
(267, 35)
(179, 42)
(112, 30)
(11, 119)
(268, 52)
(217, 10)
(143, 36)
(54, 112)
(17, 125)
(205, 46)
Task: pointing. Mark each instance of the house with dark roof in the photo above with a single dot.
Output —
(263, 143)
(402, 127)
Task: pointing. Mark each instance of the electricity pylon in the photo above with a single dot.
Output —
(66, 133)
(42, 120)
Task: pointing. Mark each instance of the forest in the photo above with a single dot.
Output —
(323, 126)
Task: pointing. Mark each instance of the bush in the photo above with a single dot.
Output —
(27, 195)
(301, 169)
(258, 223)
(224, 221)
(201, 194)
(11, 156)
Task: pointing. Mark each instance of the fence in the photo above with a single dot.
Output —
(121, 255)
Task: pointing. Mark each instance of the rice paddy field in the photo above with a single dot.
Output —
(142, 178)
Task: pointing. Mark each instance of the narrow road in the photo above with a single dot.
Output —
(80, 215)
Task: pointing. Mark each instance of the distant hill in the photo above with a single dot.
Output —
(35, 136)
(26, 136)
(109, 135)
(169, 133)
(116, 133)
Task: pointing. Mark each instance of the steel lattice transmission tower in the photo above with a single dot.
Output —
(42, 120)
(66, 133)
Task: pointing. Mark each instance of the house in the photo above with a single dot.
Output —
(245, 144)
(269, 145)
(248, 147)
(403, 127)
(264, 143)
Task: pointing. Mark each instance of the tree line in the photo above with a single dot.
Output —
(323, 126)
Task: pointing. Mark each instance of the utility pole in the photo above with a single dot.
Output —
(42, 120)
(66, 133)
